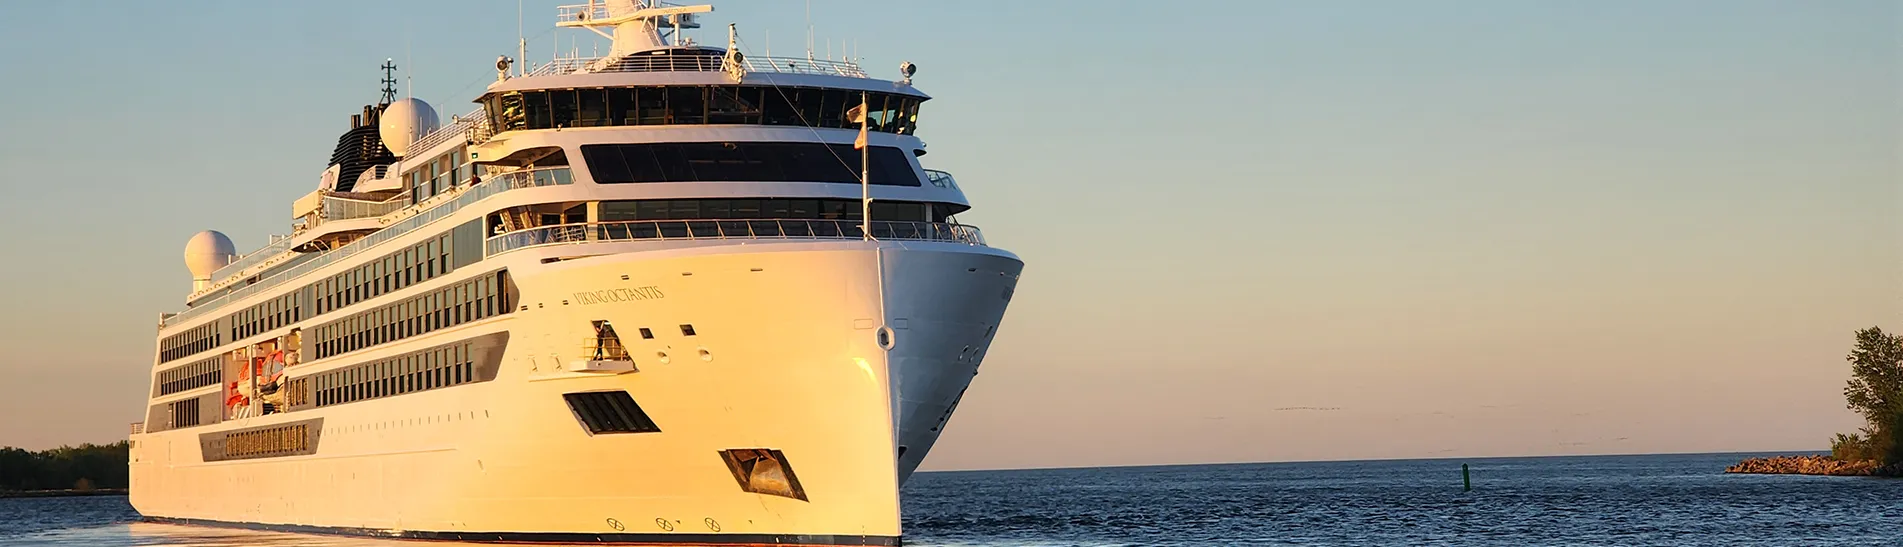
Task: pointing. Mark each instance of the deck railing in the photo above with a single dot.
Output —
(336, 208)
(253, 258)
(699, 63)
(496, 184)
(459, 127)
(940, 179)
(659, 230)
(604, 349)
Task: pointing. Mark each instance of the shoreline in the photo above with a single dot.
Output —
(61, 493)
(1814, 465)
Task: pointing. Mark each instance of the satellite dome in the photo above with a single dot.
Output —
(206, 253)
(403, 122)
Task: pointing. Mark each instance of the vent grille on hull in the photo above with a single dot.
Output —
(603, 412)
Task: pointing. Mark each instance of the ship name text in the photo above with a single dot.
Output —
(635, 294)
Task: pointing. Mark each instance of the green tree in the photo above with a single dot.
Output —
(82, 467)
(1875, 392)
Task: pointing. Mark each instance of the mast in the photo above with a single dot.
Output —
(865, 170)
(636, 26)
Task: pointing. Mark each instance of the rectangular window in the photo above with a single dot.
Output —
(744, 162)
(561, 107)
(593, 106)
(688, 105)
(620, 107)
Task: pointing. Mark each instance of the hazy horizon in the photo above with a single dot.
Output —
(1253, 231)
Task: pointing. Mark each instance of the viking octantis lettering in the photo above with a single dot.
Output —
(619, 295)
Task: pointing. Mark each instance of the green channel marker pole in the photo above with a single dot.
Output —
(1466, 480)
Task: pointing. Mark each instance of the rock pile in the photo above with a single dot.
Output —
(1811, 465)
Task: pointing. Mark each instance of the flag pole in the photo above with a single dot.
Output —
(865, 170)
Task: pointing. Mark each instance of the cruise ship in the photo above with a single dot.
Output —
(674, 294)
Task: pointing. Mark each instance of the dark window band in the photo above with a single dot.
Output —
(745, 162)
(700, 105)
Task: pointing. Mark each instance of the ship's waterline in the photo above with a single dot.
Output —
(496, 330)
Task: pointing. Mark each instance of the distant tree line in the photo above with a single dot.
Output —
(83, 467)
(1875, 392)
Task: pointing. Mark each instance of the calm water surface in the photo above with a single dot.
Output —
(1599, 500)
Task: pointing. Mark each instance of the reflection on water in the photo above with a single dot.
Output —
(1603, 500)
(141, 533)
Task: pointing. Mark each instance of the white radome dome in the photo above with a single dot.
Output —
(207, 252)
(403, 122)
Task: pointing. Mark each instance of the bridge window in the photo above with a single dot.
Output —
(744, 162)
(695, 105)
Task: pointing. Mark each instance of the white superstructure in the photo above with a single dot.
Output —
(632, 298)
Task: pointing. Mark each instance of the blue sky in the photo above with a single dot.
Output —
(1473, 228)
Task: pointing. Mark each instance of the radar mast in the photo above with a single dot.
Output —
(636, 24)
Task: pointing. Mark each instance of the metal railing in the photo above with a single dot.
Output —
(940, 179)
(336, 208)
(575, 13)
(138, 428)
(459, 127)
(275, 249)
(496, 184)
(698, 63)
(604, 349)
(644, 230)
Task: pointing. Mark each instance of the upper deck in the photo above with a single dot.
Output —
(647, 79)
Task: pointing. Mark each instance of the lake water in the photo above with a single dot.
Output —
(1596, 500)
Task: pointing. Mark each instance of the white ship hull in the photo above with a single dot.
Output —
(785, 355)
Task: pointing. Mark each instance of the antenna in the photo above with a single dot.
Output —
(521, 44)
(409, 89)
(809, 30)
(389, 83)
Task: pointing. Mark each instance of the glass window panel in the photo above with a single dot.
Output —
(733, 105)
(802, 208)
(651, 105)
(620, 106)
(716, 208)
(832, 210)
(593, 106)
(745, 161)
(687, 104)
(875, 111)
(683, 209)
(615, 211)
(909, 120)
(779, 106)
(809, 106)
(561, 103)
(535, 103)
(746, 208)
(513, 114)
(890, 210)
(833, 105)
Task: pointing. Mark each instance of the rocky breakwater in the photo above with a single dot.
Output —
(1815, 465)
